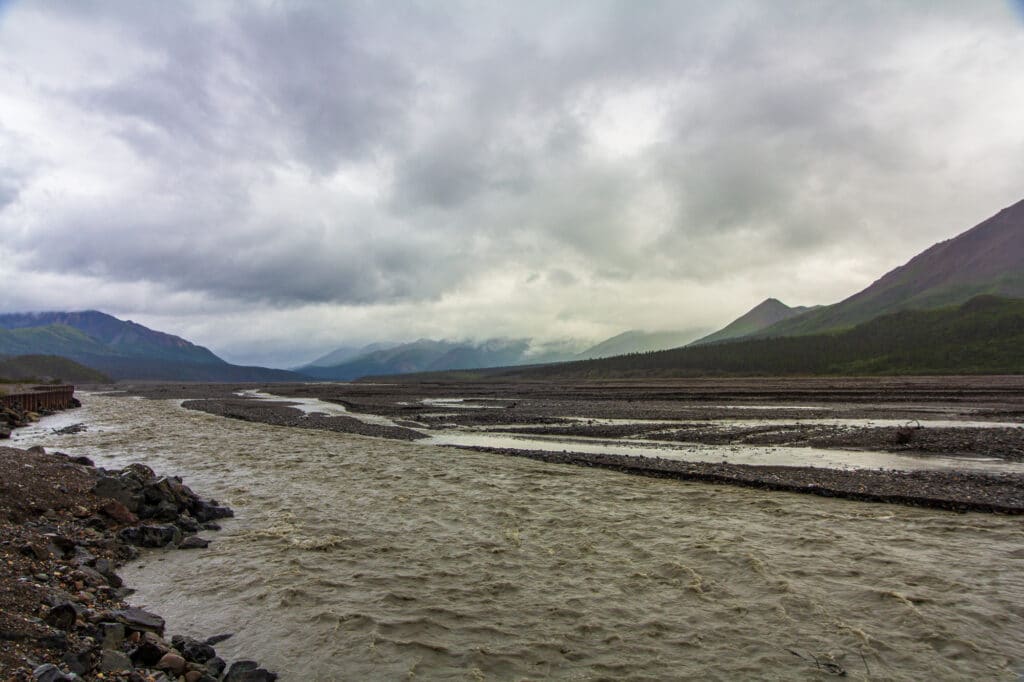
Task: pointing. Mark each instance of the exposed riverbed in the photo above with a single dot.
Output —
(356, 558)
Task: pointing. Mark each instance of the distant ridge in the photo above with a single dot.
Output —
(345, 354)
(120, 337)
(956, 308)
(122, 349)
(426, 355)
(986, 259)
(766, 313)
(982, 336)
(638, 341)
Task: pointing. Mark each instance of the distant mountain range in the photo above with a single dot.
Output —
(983, 335)
(121, 349)
(956, 307)
(428, 355)
(342, 355)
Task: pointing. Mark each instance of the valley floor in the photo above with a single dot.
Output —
(946, 442)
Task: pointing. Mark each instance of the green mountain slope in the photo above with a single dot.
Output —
(122, 350)
(763, 315)
(120, 337)
(43, 368)
(984, 335)
(987, 259)
(148, 369)
(52, 339)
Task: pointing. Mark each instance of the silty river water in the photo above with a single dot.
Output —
(355, 558)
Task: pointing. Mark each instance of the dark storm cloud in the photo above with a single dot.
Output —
(333, 89)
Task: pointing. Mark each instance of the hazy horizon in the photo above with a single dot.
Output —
(273, 181)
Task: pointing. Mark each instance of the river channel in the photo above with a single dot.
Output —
(356, 558)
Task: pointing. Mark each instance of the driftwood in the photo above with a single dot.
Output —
(824, 666)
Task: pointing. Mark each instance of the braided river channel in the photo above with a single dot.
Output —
(355, 558)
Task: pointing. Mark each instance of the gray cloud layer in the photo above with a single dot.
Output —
(355, 171)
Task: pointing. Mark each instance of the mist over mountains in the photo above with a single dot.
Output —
(987, 259)
(956, 307)
(428, 355)
(974, 282)
(122, 349)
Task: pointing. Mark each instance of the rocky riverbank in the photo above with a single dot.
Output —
(65, 527)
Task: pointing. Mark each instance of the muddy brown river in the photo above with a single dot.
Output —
(355, 558)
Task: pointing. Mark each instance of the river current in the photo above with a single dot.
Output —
(354, 558)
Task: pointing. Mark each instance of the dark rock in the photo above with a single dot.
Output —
(215, 666)
(208, 511)
(150, 536)
(111, 635)
(118, 489)
(146, 654)
(248, 671)
(36, 551)
(172, 663)
(82, 459)
(114, 661)
(164, 510)
(96, 523)
(90, 576)
(217, 639)
(194, 542)
(137, 619)
(118, 511)
(187, 524)
(83, 556)
(193, 650)
(62, 616)
(60, 545)
(50, 673)
(140, 473)
(78, 662)
(104, 568)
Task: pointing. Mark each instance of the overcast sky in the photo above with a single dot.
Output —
(275, 179)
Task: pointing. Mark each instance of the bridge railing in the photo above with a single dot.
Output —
(40, 398)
